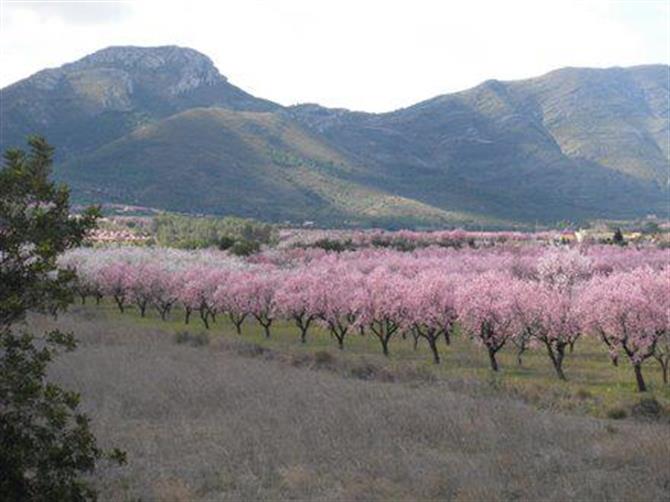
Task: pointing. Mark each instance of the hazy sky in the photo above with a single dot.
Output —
(359, 54)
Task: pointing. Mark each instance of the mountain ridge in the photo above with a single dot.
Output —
(576, 143)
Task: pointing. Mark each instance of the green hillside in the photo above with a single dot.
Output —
(574, 144)
(217, 161)
(161, 127)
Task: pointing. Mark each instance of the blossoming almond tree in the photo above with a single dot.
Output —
(658, 290)
(114, 281)
(549, 316)
(259, 290)
(165, 290)
(430, 309)
(295, 299)
(380, 304)
(334, 301)
(486, 311)
(622, 311)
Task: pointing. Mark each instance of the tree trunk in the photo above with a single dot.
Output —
(557, 357)
(203, 317)
(237, 322)
(187, 315)
(615, 360)
(385, 345)
(97, 299)
(303, 325)
(432, 342)
(143, 308)
(119, 302)
(664, 368)
(416, 340)
(266, 328)
(83, 299)
(641, 386)
(492, 359)
(558, 362)
(519, 355)
(447, 337)
(340, 339)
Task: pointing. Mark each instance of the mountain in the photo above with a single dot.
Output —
(576, 143)
(254, 164)
(161, 127)
(86, 104)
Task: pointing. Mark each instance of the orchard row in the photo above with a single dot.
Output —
(530, 297)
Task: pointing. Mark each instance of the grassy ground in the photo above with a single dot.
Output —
(594, 385)
(225, 417)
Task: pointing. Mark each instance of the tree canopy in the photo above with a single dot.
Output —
(45, 443)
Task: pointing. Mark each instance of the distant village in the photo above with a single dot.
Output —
(125, 228)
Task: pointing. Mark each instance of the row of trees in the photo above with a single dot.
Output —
(549, 303)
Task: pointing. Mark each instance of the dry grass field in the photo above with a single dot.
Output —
(221, 417)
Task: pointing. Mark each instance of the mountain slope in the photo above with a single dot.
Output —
(199, 161)
(101, 97)
(616, 117)
(572, 144)
(162, 127)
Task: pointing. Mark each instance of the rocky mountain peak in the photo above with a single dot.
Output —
(169, 70)
(185, 69)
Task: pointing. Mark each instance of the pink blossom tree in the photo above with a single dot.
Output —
(139, 281)
(486, 311)
(234, 298)
(113, 279)
(380, 304)
(259, 290)
(197, 292)
(430, 308)
(165, 287)
(549, 316)
(334, 301)
(295, 299)
(189, 293)
(624, 311)
(658, 291)
(564, 269)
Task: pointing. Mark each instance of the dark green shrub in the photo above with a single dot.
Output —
(195, 340)
(364, 370)
(249, 349)
(226, 242)
(323, 358)
(245, 248)
(616, 413)
(334, 245)
(583, 394)
(648, 407)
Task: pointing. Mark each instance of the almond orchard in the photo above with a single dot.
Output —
(504, 295)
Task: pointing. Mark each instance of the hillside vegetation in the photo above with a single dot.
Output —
(161, 127)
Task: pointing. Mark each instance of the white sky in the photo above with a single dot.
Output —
(360, 54)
